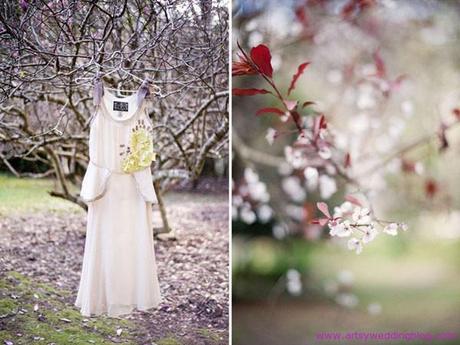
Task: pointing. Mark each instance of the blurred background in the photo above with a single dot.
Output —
(386, 75)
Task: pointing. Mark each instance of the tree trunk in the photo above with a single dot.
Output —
(165, 232)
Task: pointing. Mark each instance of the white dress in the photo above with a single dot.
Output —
(119, 271)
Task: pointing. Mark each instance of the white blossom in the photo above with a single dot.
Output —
(237, 200)
(345, 277)
(250, 175)
(264, 212)
(325, 152)
(339, 229)
(234, 212)
(361, 215)
(258, 191)
(323, 133)
(271, 135)
(347, 300)
(279, 231)
(291, 185)
(342, 210)
(294, 157)
(255, 188)
(295, 212)
(370, 232)
(284, 169)
(327, 186)
(285, 117)
(419, 168)
(303, 139)
(311, 177)
(356, 245)
(361, 124)
(293, 274)
(407, 108)
(391, 229)
(247, 215)
(366, 97)
(293, 282)
(374, 308)
(334, 76)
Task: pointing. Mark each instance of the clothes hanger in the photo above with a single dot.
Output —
(121, 69)
(88, 81)
(148, 80)
(143, 91)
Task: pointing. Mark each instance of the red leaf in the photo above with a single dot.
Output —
(431, 188)
(243, 67)
(354, 7)
(269, 110)
(353, 200)
(320, 221)
(347, 162)
(301, 15)
(248, 92)
(296, 76)
(443, 137)
(297, 120)
(261, 56)
(320, 123)
(348, 9)
(407, 166)
(379, 65)
(322, 206)
(456, 112)
(395, 85)
(307, 103)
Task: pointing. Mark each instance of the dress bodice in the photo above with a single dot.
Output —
(120, 142)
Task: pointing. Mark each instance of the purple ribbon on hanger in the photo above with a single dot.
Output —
(98, 90)
(143, 91)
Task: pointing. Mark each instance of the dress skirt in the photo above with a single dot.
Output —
(119, 272)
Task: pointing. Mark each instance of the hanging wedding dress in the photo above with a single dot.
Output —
(119, 271)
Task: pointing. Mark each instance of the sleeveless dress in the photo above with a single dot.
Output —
(119, 272)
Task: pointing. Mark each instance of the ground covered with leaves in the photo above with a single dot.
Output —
(40, 263)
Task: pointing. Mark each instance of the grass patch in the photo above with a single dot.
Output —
(209, 334)
(25, 195)
(55, 322)
(169, 341)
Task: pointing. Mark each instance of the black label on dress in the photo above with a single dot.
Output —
(120, 106)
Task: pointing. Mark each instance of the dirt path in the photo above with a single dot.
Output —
(47, 247)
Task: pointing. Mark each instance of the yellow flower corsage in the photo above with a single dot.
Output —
(140, 153)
